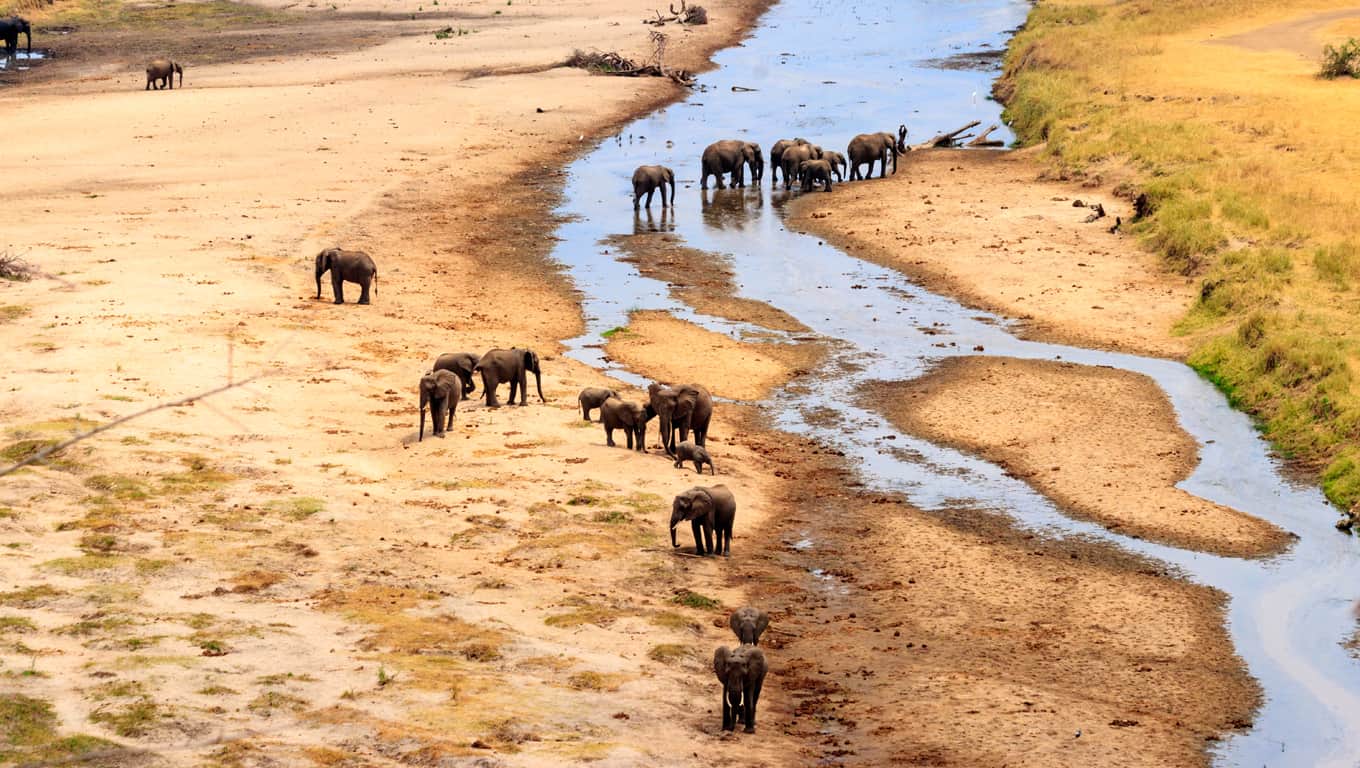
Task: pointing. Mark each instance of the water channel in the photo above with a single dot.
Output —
(826, 71)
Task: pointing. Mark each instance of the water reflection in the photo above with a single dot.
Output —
(644, 222)
(732, 209)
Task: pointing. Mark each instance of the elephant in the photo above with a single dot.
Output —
(462, 364)
(10, 29)
(777, 154)
(593, 397)
(688, 451)
(741, 671)
(838, 164)
(810, 172)
(512, 365)
(731, 156)
(711, 511)
(346, 266)
(440, 392)
(748, 624)
(649, 178)
(681, 409)
(869, 148)
(163, 71)
(796, 155)
(630, 417)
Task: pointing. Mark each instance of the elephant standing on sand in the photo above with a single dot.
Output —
(163, 71)
(810, 172)
(514, 366)
(837, 162)
(731, 156)
(461, 363)
(748, 624)
(593, 397)
(649, 178)
(346, 267)
(795, 156)
(711, 511)
(440, 392)
(869, 148)
(630, 417)
(10, 29)
(681, 409)
(742, 673)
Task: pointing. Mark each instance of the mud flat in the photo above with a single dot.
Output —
(980, 227)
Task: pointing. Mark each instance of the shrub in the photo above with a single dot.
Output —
(1341, 61)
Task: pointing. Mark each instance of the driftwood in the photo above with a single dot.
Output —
(951, 139)
(983, 141)
(692, 14)
(612, 63)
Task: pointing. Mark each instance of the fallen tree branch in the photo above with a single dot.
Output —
(982, 139)
(945, 140)
(693, 14)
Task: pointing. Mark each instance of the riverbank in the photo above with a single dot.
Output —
(281, 572)
(1250, 186)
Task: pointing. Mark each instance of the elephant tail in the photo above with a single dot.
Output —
(375, 281)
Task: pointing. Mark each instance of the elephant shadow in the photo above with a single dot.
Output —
(645, 223)
(731, 209)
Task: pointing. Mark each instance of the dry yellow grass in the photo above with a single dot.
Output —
(1245, 155)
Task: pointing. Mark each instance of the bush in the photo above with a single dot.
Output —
(1341, 61)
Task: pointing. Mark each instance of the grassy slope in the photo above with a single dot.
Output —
(1245, 157)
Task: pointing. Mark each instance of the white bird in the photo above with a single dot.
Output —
(975, 98)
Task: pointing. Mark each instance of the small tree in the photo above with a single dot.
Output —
(1341, 61)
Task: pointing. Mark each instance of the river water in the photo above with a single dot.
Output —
(826, 71)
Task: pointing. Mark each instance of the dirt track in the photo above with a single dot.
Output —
(284, 565)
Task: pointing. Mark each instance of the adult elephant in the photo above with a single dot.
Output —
(10, 29)
(439, 391)
(731, 156)
(680, 409)
(795, 156)
(711, 511)
(514, 366)
(649, 178)
(742, 673)
(461, 363)
(777, 157)
(346, 267)
(869, 148)
(163, 72)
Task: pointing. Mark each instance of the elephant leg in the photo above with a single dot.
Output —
(585, 411)
(637, 194)
(523, 388)
(514, 387)
(725, 535)
(489, 384)
(752, 698)
(651, 192)
(337, 286)
(708, 540)
(642, 439)
(628, 433)
(609, 436)
(665, 204)
(728, 719)
(363, 290)
(453, 410)
(697, 528)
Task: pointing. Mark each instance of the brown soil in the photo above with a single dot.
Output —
(978, 226)
(1103, 443)
(1303, 35)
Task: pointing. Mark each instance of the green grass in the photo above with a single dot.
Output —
(15, 624)
(24, 722)
(133, 719)
(116, 14)
(670, 653)
(30, 597)
(695, 600)
(85, 564)
(11, 312)
(297, 508)
(1248, 199)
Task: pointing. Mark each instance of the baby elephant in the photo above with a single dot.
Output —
(813, 171)
(742, 672)
(163, 72)
(709, 510)
(630, 417)
(650, 178)
(346, 267)
(593, 397)
(440, 392)
(748, 624)
(688, 451)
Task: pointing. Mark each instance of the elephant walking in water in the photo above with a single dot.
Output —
(346, 267)
(777, 156)
(731, 156)
(10, 29)
(837, 162)
(794, 157)
(163, 72)
(869, 148)
(811, 172)
(649, 178)
(513, 366)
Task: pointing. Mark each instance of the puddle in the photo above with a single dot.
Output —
(861, 69)
(22, 61)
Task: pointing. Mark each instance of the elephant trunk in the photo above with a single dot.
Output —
(180, 70)
(677, 517)
(320, 270)
(538, 381)
(422, 424)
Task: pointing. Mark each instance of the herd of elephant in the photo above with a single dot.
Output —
(798, 159)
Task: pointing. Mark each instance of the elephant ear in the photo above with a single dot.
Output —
(530, 360)
(762, 621)
(721, 659)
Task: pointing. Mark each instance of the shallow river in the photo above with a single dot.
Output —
(826, 71)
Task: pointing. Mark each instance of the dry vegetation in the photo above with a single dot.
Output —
(1247, 159)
